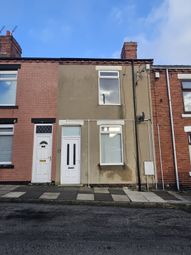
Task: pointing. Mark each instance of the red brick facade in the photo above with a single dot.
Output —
(36, 98)
(162, 128)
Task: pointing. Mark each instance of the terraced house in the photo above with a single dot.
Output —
(76, 121)
(171, 96)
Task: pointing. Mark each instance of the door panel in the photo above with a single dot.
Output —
(42, 157)
(70, 160)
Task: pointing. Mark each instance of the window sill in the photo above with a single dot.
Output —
(9, 107)
(186, 115)
(111, 166)
(8, 166)
(110, 104)
(117, 164)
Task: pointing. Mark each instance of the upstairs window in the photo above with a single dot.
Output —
(186, 88)
(109, 88)
(8, 82)
(6, 140)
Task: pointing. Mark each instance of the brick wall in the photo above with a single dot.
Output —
(161, 116)
(36, 98)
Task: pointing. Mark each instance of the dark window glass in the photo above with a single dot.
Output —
(186, 85)
(44, 129)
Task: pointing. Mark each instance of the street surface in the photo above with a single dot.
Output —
(60, 229)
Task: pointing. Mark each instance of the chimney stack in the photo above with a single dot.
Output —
(9, 47)
(129, 50)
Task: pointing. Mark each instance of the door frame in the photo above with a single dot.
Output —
(34, 151)
(62, 136)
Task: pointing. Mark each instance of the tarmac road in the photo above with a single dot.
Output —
(61, 229)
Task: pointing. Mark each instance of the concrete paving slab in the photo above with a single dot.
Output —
(120, 198)
(13, 194)
(85, 196)
(165, 195)
(152, 197)
(50, 195)
(116, 191)
(101, 190)
(8, 187)
(102, 197)
(86, 190)
(68, 195)
(135, 196)
(3, 192)
(175, 194)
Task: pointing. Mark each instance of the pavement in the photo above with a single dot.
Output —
(121, 196)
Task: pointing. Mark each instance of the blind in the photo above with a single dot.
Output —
(6, 148)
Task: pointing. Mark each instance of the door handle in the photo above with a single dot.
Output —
(50, 158)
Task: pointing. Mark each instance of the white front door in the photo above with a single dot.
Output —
(70, 155)
(42, 154)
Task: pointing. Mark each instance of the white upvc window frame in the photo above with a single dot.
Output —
(109, 77)
(107, 132)
(6, 133)
(9, 79)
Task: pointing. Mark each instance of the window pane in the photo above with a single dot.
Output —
(7, 92)
(186, 84)
(6, 75)
(187, 101)
(8, 130)
(109, 91)
(71, 131)
(114, 74)
(6, 148)
(111, 149)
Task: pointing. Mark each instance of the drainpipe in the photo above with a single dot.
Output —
(88, 153)
(135, 126)
(172, 130)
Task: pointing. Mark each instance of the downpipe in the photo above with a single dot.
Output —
(172, 130)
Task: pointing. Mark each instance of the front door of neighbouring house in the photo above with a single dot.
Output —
(42, 154)
(70, 155)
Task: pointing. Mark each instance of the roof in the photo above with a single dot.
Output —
(75, 59)
(171, 67)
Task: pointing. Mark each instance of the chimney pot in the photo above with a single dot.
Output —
(8, 33)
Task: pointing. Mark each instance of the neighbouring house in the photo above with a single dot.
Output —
(76, 121)
(171, 97)
(28, 92)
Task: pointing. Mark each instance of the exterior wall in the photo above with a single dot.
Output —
(78, 99)
(161, 116)
(35, 98)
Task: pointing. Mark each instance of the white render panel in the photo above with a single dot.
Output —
(71, 122)
(109, 68)
(183, 76)
(186, 115)
(187, 129)
(110, 122)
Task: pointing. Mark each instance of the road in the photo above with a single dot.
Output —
(60, 229)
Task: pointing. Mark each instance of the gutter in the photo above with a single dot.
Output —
(135, 126)
(172, 130)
